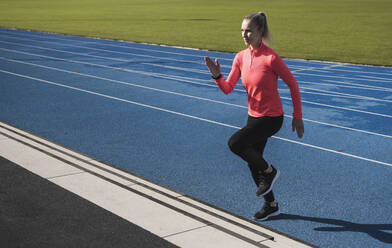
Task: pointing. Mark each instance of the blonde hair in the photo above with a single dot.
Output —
(260, 20)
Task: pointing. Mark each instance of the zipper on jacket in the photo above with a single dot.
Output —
(251, 58)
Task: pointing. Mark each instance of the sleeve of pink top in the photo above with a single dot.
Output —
(228, 86)
(280, 68)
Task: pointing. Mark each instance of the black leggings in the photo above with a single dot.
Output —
(249, 143)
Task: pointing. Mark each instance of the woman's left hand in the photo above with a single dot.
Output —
(214, 68)
(298, 125)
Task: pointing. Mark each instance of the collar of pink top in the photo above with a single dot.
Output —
(257, 51)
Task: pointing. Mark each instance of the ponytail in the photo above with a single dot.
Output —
(260, 20)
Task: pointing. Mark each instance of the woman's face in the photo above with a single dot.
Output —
(250, 34)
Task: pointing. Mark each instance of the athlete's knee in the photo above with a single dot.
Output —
(235, 146)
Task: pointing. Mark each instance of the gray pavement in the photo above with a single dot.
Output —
(35, 212)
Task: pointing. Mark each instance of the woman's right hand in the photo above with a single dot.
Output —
(215, 69)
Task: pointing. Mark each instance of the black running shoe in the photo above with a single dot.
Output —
(266, 181)
(266, 212)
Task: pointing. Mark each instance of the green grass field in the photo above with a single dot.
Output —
(355, 31)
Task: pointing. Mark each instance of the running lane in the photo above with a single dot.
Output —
(154, 111)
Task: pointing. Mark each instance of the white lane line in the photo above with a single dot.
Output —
(350, 109)
(332, 69)
(179, 68)
(342, 95)
(303, 69)
(356, 71)
(185, 95)
(190, 96)
(99, 42)
(334, 94)
(336, 152)
(322, 70)
(124, 83)
(183, 79)
(182, 69)
(118, 99)
(345, 95)
(190, 116)
(342, 77)
(359, 68)
(341, 84)
(187, 61)
(153, 74)
(337, 94)
(351, 83)
(371, 77)
(116, 52)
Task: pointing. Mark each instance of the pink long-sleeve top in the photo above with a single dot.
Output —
(259, 71)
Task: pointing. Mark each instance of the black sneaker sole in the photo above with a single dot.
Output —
(277, 212)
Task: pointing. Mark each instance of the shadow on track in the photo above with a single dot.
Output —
(376, 231)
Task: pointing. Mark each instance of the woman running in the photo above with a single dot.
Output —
(259, 67)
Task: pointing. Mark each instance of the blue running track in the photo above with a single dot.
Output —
(154, 111)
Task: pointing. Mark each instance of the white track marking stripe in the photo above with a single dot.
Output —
(190, 61)
(151, 64)
(190, 96)
(191, 116)
(348, 85)
(184, 79)
(97, 42)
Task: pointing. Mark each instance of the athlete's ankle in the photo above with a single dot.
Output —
(268, 170)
